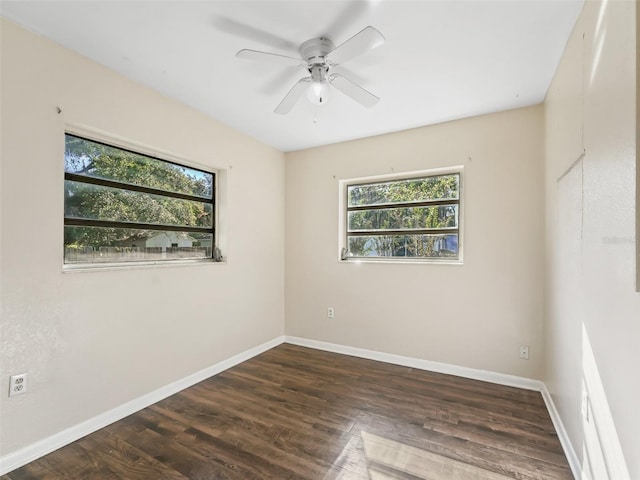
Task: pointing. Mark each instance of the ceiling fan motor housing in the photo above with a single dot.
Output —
(313, 51)
(320, 55)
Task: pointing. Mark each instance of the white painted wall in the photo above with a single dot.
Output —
(592, 308)
(124, 341)
(475, 315)
(92, 341)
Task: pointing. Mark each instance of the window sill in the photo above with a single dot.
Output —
(398, 261)
(97, 267)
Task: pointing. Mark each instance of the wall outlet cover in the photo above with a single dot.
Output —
(18, 384)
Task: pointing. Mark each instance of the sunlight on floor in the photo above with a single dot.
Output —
(389, 459)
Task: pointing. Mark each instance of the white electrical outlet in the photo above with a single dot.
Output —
(524, 352)
(18, 384)
(330, 312)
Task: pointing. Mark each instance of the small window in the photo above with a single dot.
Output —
(124, 206)
(409, 217)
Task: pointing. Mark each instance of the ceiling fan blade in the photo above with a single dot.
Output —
(346, 17)
(366, 39)
(292, 96)
(254, 34)
(285, 76)
(268, 57)
(353, 90)
(349, 73)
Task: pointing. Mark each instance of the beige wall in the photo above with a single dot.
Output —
(92, 341)
(475, 315)
(123, 341)
(592, 308)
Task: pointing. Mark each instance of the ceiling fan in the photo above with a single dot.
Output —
(318, 56)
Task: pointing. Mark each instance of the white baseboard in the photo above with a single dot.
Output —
(472, 373)
(466, 372)
(21, 457)
(38, 449)
(569, 451)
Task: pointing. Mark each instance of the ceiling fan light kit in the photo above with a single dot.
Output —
(318, 55)
(318, 89)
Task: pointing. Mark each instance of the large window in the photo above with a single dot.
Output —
(123, 206)
(403, 218)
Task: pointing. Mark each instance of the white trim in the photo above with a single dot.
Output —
(405, 174)
(118, 141)
(38, 449)
(569, 451)
(110, 139)
(47, 445)
(466, 372)
(400, 261)
(394, 176)
(119, 266)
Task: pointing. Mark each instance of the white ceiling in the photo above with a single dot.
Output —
(442, 60)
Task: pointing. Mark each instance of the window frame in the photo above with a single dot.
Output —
(344, 209)
(155, 154)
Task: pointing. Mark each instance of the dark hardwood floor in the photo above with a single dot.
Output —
(298, 413)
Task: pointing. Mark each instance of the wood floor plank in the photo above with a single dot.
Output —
(124, 460)
(489, 458)
(407, 460)
(506, 441)
(302, 414)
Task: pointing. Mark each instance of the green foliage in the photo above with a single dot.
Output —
(87, 201)
(443, 187)
(422, 246)
(97, 160)
(406, 218)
